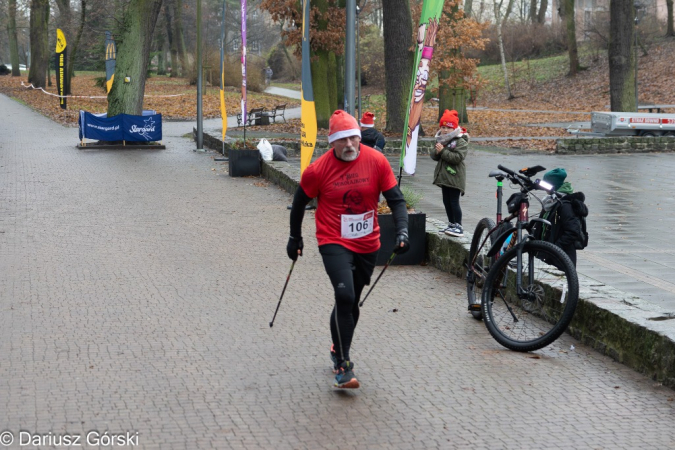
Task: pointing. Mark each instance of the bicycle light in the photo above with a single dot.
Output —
(545, 185)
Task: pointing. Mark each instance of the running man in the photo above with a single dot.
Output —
(347, 181)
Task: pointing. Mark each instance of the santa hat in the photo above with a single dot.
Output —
(342, 125)
(368, 120)
(449, 119)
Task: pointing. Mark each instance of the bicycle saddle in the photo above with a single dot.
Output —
(498, 174)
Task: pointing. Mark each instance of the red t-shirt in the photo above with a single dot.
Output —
(348, 193)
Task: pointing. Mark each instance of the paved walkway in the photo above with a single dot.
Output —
(136, 289)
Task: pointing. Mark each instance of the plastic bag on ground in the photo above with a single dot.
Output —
(265, 149)
(280, 153)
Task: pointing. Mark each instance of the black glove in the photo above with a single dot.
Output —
(402, 238)
(294, 244)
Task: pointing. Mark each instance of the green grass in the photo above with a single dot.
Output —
(538, 70)
(534, 70)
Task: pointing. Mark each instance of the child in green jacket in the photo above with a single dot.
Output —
(452, 143)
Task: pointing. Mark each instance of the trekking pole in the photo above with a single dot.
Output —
(282, 294)
(391, 258)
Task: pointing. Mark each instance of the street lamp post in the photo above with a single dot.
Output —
(358, 51)
(200, 121)
(358, 58)
(637, 7)
(349, 57)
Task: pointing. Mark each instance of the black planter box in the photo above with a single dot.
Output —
(417, 235)
(243, 163)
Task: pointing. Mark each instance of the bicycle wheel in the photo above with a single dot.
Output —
(479, 266)
(549, 295)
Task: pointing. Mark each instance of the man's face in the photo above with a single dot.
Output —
(347, 149)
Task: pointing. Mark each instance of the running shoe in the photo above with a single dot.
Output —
(447, 229)
(345, 378)
(456, 230)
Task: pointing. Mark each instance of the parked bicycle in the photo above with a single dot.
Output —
(525, 289)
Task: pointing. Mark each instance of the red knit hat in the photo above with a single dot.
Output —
(449, 119)
(368, 120)
(342, 125)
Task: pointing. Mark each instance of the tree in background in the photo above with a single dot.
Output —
(13, 41)
(538, 16)
(498, 25)
(39, 42)
(327, 22)
(399, 58)
(670, 31)
(133, 50)
(621, 56)
(456, 73)
(65, 23)
(567, 11)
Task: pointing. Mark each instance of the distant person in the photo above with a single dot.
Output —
(268, 75)
(369, 135)
(452, 143)
(567, 216)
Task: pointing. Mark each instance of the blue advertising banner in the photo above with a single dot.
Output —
(142, 129)
(122, 127)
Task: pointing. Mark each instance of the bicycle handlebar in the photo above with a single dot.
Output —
(525, 181)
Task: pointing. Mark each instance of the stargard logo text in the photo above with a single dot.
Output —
(135, 129)
(92, 438)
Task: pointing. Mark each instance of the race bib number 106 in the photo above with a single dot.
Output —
(357, 225)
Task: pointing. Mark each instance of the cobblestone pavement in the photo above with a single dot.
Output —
(136, 289)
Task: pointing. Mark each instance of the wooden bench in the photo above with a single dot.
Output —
(256, 116)
(277, 111)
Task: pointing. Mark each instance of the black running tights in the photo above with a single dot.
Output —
(451, 203)
(349, 272)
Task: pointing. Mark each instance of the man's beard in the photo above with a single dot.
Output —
(349, 154)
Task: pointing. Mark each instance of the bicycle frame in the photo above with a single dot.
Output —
(522, 223)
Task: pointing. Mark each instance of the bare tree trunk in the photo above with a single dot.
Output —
(451, 97)
(509, 9)
(39, 42)
(320, 86)
(498, 23)
(73, 47)
(533, 11)
(160, 47)
(621, 56)
(340, 79)
(398, 60)
(669, 6)
(320, 76)
(133, 50)
(571, 36)
(468, 6)
(542, 12)
(173, 47)
(179, 37)
(13, 41)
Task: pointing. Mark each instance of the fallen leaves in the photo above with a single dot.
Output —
(174, 98)
(522, 122)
